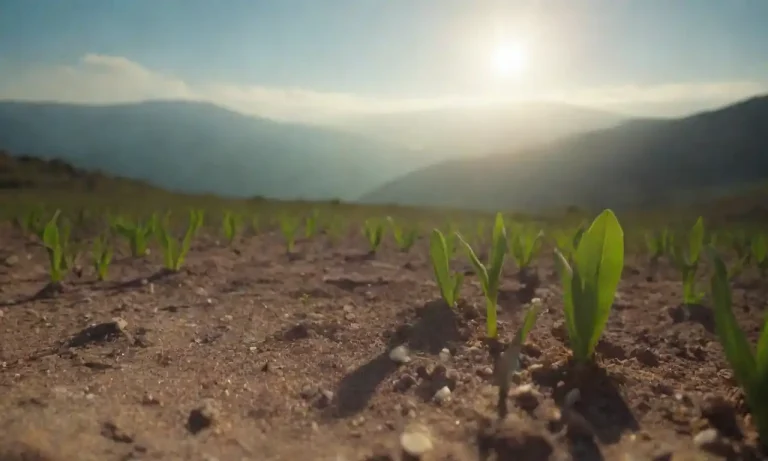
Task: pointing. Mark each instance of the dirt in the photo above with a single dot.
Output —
(248, 354)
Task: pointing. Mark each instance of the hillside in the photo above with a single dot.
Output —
(202, 148)
(639, 163)
(482, 130)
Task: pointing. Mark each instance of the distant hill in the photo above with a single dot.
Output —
(202, 148)
(482, 130)
(639, 163)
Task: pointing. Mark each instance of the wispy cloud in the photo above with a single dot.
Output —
(102, 79)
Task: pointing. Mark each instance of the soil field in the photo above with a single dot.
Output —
(247, 354)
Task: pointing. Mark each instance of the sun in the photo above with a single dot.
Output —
(509, 60)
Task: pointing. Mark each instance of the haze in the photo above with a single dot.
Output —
(317, 61)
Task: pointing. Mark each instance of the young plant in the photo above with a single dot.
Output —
(750, 368)
(658, 245)
(686, 255)
(310, 224)
(523, 245)
(404, 238)
(175, 252)
(102, 257)
(231, 226)
(589, 282)
(137, 233)
(288, 227)
(760, 253)
(374, 233)
(449, 284)
(490, 274)
(56, 242)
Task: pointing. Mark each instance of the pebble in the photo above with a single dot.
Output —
(442, 395)
(444, 355)
(400, 355)
(416, 442)
(573, 396)
(708, 439)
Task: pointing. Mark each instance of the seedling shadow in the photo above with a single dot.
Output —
(436, 327)
(138, 282)
(696, 313)
(50, 291)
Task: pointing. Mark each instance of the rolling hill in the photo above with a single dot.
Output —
(639, 163)
(202, 148)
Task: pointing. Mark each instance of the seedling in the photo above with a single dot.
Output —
(750, 368)
(658, 245)
(374, 233)
(137, 234)
(449, 284)
(523, 245)
(288, 227)
(231, 226)
(175, 252)
(490, 275)
(589, 282)
(310, 224)
(760, 253)
(404, 238)
(55, 241)
(685, 254)
(102, 257)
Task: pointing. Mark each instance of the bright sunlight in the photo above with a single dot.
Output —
(509, 60)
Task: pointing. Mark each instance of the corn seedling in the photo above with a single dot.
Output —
(404, 238)
(310, 224)
(137, 234)
(686, 254)
(288, 227)
(449, 284)
(55, 240)
(509, 360)
(523, 245)
(750, 368)
(175, 252)
(589, 282)
(102, 257)
(760, 253)
(231, 226)
(374, 233)
(490, 275)
(32, 222)
(742, 246)
(658, 245)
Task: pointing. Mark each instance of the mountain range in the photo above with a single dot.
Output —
(638, 163)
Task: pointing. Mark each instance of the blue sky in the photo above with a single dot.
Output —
(289, 58)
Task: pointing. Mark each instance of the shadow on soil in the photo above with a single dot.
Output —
(436, 327)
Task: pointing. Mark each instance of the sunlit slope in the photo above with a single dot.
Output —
(636, 164)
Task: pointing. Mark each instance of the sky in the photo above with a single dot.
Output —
(310, 60)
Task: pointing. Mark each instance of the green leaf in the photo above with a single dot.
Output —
(696, 241)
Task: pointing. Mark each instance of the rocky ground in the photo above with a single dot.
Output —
(248, 354)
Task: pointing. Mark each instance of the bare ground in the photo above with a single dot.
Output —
(248, 354)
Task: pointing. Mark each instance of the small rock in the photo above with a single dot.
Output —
(308, 391)
(444, 355)
(416, 441)
(485, 372)
(442, 395)
(11, 260)
(573, 396)
(203, 416)
(526, 397)
(404, 383)
(400, 355)
(710, 440)
(325, 399)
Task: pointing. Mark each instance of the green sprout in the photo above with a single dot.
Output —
(490, 275)
(449, 284)
(55, 240)
(750, 368)
(404, 238)
(102, 257)
(288, 227)
(523, 245)
(137, 234)
(175, 252)
(590, 281)
(760, 253)
(231, 226)
(374, 233)
(658, 245)
(686, 255)
(310, 224)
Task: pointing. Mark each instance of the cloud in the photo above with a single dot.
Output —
(102, 79)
